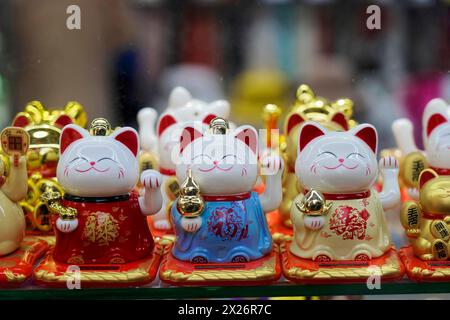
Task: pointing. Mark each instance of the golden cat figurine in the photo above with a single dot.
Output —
(427, 222)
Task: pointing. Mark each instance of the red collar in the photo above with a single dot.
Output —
(233, 197)
(167, 172)
(345, 196)
(434, 216)
(291, 169)
(441, 171)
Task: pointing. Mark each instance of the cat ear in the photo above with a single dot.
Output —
(434, 115)
(62, 121)
(165, 122)
(179, 97)
(188, 136)
(128, 137)
(340, 119)
(425, 176)
(248, 135)
(70, 134)
(21, 120)
(368, 134)
(292, 121)
(208, 118)
(309, 132)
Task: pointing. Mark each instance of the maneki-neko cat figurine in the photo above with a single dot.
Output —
(427, 226)
(335, 116)
(340, 231)
(17, 253)
(100, 222)
(221, 231)
(44, 128)
(182, 109)
(436, 141)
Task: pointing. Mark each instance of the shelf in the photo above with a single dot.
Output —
(283, 289)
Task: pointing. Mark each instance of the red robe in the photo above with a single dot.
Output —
(108, 232)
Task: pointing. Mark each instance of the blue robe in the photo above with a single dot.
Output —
(229, 229)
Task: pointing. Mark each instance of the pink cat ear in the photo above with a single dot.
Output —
(188, 135)
(425, 176)
(434, 121)
(165, 122)
(340, 119)
(293, 120)
(209, 118)
(69, 135)
(128, 137)
(368, 134)
(63, 120)
(248, 135)
(308, 133)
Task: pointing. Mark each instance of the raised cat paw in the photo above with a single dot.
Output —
(191, 224)
(388, 163)
(66, 226)
(272, 165)
(151, 179)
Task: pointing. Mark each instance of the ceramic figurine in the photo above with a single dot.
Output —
(336, 116)
(44, 128)
(100, 222)
(182, 108)
(220, 225)
(427, 225)
(436, 140)
(339, 218)
(17, 254)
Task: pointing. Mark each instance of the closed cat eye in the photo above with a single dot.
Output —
(327, 152)
(78, 158)
(356, 154)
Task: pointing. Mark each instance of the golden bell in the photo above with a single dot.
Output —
(218, 126)
(314, 204)
(190, 202)
(100, 127)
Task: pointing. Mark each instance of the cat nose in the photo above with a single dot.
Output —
(215, 162)
(92, 163)
(341, 160)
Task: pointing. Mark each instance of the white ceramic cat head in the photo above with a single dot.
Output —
(222, 164)
(436, 133)
(98, 166)
(337, 162)
(181, 110)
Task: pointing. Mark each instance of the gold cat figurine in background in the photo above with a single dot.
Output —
(15, 142)
(427, 222)
(336, 116)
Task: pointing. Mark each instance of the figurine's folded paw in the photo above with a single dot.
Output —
(66, 226)
(314, 222)
(388, 163)
(272, 165)
(151, 179)
(191, 224)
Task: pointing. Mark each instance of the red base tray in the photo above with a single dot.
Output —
(180, 273)
(280, 233)
(17, 267)
(424, 271)
(50, 273)
(309, 272)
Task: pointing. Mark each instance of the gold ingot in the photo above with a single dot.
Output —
(190, 203)
(314, 204)
(53, 202)
(440, 230)
(439, 250)
(410, 218)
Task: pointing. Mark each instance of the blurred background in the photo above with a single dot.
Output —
(130, 53)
